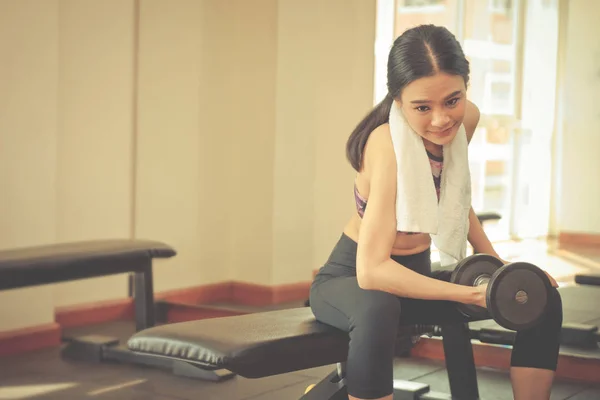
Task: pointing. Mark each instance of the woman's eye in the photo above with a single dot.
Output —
(422, 108)
(453, 101)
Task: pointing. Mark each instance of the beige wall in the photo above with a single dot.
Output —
(169, 182)
(325, 75)
(579, 122)
(344, 95)
(215, 126)
(28, 145)
(247, 120)
(94, 135)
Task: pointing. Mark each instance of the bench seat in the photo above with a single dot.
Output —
(252, 345)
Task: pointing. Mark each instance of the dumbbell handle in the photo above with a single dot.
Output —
(483, 279)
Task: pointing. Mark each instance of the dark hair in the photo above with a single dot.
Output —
(419, 52)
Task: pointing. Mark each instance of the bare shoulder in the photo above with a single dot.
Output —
(379, 149)
(471, 120)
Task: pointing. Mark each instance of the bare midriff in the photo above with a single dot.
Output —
(403, 245)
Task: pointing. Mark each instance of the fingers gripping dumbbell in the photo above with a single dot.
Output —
(516, 295)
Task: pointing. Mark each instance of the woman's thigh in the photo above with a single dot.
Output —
(340, 302)
(431, 312)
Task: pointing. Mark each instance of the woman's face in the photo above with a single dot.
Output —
(434, 106)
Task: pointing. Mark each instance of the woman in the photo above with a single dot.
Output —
(377, 277)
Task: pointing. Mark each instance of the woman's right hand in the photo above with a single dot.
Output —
(481, 297)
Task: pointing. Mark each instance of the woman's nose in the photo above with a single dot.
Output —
(440, 120)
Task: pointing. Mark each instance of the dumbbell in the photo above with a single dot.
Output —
(517, 293)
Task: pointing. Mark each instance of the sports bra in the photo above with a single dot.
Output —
(436, 164)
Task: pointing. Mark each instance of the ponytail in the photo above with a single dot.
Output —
(358, 138)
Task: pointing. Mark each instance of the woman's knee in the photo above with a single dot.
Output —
(551, 323)
(554, 310)
(538, 347)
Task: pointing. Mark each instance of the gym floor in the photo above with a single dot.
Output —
(45, 375)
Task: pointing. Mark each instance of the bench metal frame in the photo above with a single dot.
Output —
(99, 348)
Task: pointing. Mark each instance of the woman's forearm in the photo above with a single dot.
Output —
(478, 238)
(392, 277)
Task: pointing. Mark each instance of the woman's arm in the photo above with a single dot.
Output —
(477, 236)
(376, 270)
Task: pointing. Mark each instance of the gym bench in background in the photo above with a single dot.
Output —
(45, 264)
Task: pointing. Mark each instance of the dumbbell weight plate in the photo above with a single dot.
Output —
(466, 273)
(517, 295)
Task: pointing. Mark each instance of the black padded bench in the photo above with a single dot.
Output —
(39, 265)
(588, 279)
(276, 342)
(488, 216)
(45, 264)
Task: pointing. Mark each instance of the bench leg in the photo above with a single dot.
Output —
(143, 298)
(460, 363)
(97, 348)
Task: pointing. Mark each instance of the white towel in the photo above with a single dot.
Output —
(417, 207)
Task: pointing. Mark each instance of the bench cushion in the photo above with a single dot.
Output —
(251, 345)
(34, 265)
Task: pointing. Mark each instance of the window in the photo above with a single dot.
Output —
(420, 6)
(410, 13)
(500, 6)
